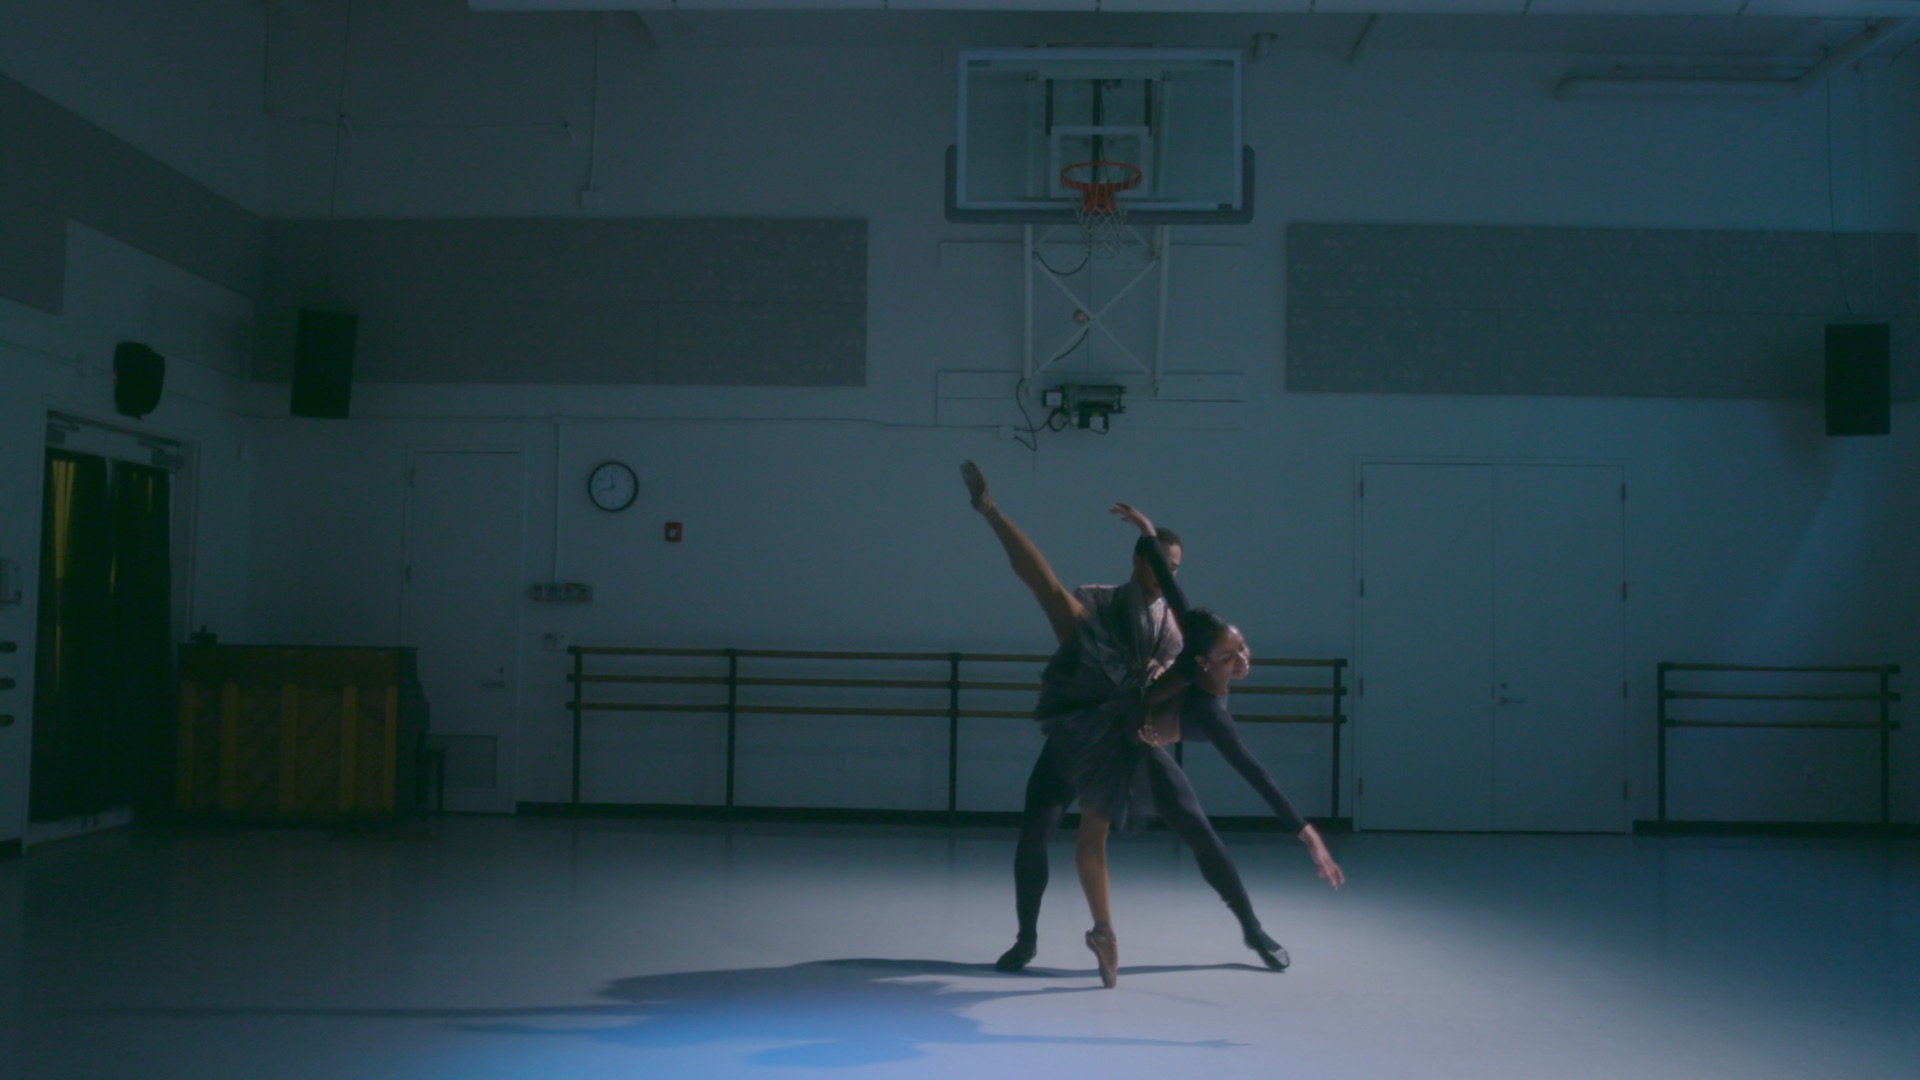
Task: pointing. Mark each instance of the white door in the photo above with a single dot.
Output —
(1426, 735)
(1558, 727)
(1490, 648)
(462, 610)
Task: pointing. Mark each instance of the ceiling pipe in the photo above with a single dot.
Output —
(1654, 84)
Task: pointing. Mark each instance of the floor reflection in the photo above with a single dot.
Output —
(822, 1014)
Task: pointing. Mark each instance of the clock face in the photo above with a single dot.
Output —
(612, 486)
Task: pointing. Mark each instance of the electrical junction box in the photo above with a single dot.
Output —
(1090, 405)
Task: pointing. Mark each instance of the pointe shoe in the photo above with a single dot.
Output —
(1106, 950)
(1016, 958)
(1270, 950)
(977, 493)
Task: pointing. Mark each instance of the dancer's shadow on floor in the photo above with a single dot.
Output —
(825, 1013)
(840, 1013)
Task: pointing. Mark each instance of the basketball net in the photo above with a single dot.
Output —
(1100, 214)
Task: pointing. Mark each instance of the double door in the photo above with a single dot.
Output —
(1490, 627)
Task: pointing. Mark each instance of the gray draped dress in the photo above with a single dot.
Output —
(1093, 698)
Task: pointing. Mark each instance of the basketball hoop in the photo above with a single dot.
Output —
(1100, 214)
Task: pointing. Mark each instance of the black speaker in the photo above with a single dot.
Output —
(1859, 379)
(323, 362)
(138, 373)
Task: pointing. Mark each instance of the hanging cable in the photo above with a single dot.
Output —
(1086, 256)
(340, 130)
(1056, 420)
(1873, 240)
(1833, 216)
(593, 121)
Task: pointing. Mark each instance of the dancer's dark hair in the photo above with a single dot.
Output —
(1201, 630)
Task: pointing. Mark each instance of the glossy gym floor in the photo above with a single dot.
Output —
(485, 947)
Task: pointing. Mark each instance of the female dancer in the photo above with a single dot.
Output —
(1107, 726)
(1189, 702)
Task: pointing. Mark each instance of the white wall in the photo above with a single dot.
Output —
(833, 518)
(65, 362)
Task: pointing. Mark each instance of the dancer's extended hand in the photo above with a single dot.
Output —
(1322, 858)
(1132, 517)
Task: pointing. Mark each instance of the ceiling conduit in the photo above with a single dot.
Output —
(1654, 83)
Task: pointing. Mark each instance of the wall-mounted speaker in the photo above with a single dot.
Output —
(138, 373)
(323, 362)
(1859, 379)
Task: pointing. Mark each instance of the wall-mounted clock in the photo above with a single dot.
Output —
(612, 486)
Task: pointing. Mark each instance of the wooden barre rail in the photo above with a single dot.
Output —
(813, 654)
(580, 680)
(906, 684)
(1694, 695)
(1884, 698)
(1856, 669)
(866, 710)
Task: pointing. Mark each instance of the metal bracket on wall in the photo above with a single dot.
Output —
(10, 585)
(1090, 319)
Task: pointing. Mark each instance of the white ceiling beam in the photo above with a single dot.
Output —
(1701, 8)
(777, 5)
(570, 5)
(1208, 7)
(997, 6)
(1834, 9)
(1822, 9)
(1420, 7)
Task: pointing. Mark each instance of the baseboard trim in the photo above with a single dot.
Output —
(73, 828)
(1786, 829)
(819, 815)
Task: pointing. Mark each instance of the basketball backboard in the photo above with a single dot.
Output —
(1025, 115)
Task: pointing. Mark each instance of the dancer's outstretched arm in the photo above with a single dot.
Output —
(1063, 611)
(1225, 736)
(1222, 731)
(1156, 556)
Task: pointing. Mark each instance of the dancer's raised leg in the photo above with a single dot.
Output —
(1062, 610)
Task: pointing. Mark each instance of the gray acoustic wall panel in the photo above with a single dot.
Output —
(56, 167)
(1600, 312)
(670, 301)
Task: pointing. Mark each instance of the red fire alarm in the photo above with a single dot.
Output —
(673, 532)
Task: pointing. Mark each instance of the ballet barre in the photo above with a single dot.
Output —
(596, 689)
(1881, 697)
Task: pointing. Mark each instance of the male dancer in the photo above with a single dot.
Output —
(1147, 640)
